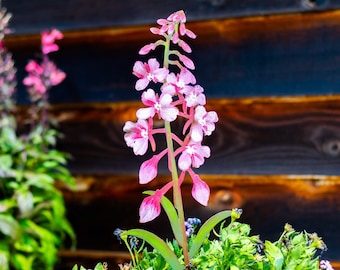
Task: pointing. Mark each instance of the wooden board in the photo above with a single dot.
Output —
(274, 55)
(297, 135)
(106, 202)
(35, 15)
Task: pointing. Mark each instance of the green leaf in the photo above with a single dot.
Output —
(205, 230)
(274, 255)
(158, 244)
(172, 216)
(25, 202)
(99, 266)
(6, 162)
(9, 226)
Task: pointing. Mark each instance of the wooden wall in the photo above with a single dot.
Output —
(270, 70)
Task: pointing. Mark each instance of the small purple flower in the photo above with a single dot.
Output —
(325, 264)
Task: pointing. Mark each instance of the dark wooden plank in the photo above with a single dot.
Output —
(35, 15)
(312, 203)
(253, 136)
(290, 54)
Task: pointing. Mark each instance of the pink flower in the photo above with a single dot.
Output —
(137, 136)
(187, 61)
(200, 190)
(193, 155)
(162, 106)
(37, 88)
(147, 72)
(194, 96)
(150, 207)
(34, 67)
(204, 123)
(148, 170)
(47, 41)
(147, 48)
(178, 83)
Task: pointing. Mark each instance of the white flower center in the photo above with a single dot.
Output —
(190, 149)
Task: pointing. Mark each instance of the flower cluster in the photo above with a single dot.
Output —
(7, 69)
(170, 91)
(43, 76)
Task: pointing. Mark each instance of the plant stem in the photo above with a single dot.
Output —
(177, 195)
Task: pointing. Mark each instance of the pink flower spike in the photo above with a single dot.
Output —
(150, 207)
(187, 62)
(147, 48)
(200, 190)
(193, 155)
(148, 170)
(137, 136)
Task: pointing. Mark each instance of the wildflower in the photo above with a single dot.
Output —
(324, 264)
(150, 207)
(194, 96)
(48, 39)
(193, 155)
(178, 83)
(204, 123)
(200, 190)
(162, 106)
(137, 136)
(147, 72)
(187, 61)
(190, 225)
(147, 48)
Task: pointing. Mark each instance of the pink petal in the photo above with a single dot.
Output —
(148, 170)
(150, 207)
(141, 84)
(145, 113)
(200, 190)
(187, 62)
(184, 161)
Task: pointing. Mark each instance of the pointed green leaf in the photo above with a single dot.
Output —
(158, 244)
(205, 230)
(274, 255)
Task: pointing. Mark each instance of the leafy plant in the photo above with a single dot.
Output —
(33, 223)
(170, 92)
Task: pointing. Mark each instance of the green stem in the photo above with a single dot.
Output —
(177, 195)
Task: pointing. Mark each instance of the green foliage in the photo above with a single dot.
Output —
(99, 266)
(235, 249)
(33, 224)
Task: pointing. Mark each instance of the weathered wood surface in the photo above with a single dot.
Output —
(290, 54)
(297, 135)
(312, 203)
(35, 15)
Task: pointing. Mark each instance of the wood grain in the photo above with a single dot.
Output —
(35, 15)
(274, 55)
(296, 135)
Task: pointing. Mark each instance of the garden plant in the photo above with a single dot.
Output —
(170, 93)
(33, 223)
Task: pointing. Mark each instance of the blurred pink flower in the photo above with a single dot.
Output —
(200, 190)
(48, 39)
(162, 106)
(147, 72)
(137, 136)
(150, 207)
(193, 155)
